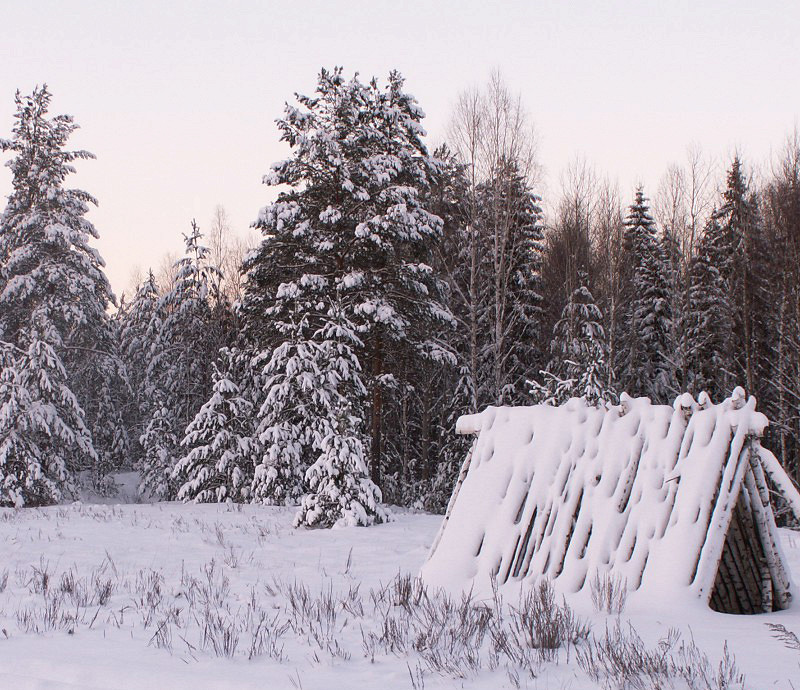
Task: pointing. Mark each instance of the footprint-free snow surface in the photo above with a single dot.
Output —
(172, 596)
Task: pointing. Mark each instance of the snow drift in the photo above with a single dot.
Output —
(672, 501)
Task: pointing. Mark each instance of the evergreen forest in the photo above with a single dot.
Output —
(394, 287)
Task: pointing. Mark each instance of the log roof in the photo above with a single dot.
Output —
(673, 501)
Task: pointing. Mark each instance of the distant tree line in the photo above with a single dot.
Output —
(393, 290)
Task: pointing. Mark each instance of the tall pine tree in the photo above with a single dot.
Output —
(352, 230)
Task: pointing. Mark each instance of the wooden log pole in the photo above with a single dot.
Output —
(765, 523)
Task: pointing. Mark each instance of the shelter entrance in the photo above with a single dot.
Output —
(744, 582)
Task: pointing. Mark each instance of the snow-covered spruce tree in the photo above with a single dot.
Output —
(577, 367)
(140, 322)
(310, 440)
(727, 337)
(647, 337)
(708, 332)
(340, 490)
(220, 443)
(53, 290)
(678, 281)
(741, 257)
(180, 367)
(353, 222)
(41, 426)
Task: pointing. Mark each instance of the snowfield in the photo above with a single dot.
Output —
(216, 596)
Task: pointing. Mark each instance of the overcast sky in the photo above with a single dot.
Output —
(178, 99)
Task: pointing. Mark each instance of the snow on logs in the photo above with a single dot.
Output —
(672, 501)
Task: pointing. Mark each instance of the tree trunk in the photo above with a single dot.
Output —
(473, 316)
(376, 447)
(781, 375)
(426, 434)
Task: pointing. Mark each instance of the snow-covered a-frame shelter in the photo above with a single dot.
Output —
(671, 501)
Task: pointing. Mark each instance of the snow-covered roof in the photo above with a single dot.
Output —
(668, 499)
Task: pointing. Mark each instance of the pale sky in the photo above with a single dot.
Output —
(178, 99)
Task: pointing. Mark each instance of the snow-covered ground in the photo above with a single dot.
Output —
(180, 596)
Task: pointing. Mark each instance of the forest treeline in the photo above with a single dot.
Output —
(393, 289)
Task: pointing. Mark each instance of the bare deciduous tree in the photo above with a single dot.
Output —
(167, 273)
(493, 137)
(226, 251)
(684, 199)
